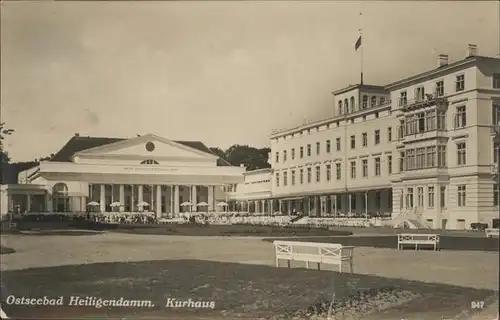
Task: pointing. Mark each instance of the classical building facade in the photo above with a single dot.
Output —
(422, 145)
(145, 173)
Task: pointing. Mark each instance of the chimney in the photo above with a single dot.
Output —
(77, 134)
(442, 60)
(471, 50)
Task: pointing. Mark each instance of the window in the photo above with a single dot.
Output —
(365, 101)
(308, 150)
(318, 148)
(496, 80)
(150, 161)
(496, 152)
(365, 168)
(340, 107)
(410, 159)
(338, 144)
(377, 166)
(301, 176)
(409, 198)
(496, 195)
(460, 117)
(382, 100)
(389, 134)
(328, 172)
(353, 202)
(378, 200)
(301, 152)
(377, 136)
(389, 164)
(352, 103)
(284, 156)
(353, 142)
(441, 156)
(277, 179)
(460, 83)
(353, 169)
(442, 195)
(495, 114)
(293, 153)
(373, 101)
(309, 175)
(285, 178)
(401, 161)
(430, 197)
(401, 129)
(420, 122)
(338, 168)
(441, 120)
(420, 197)
(430, 157)
(461, 153)
(277, 157)
(430, 120)
(328, 146)
(346, 106)
(461, 195)
(318, 173)
(419, 94)
(439, 88)
(403, 99)
(293, 177)
(365, 139)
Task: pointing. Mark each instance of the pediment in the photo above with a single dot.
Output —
(148, 146)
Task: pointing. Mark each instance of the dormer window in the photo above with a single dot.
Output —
(346, 105)
(365, 101)
(150, 161)
(340, 107)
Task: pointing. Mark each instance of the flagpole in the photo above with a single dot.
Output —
(361, 51)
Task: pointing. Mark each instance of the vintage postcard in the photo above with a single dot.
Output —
(325, 160)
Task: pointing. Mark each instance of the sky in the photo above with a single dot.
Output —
(220, 72)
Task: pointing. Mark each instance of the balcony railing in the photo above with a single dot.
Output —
(429, 99)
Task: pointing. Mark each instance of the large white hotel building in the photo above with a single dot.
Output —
(423, 145)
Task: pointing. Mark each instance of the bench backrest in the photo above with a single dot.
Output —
(330, 250)
(492, 231)
(418, 237)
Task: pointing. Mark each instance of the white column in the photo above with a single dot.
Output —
(366, 204)
(335, 205)
(176, 201)
(152, 198)
(194, 200)
(132, 196)
(263, 206)
(437, 206)
(28, 203)
(171, 192)
(158, 201)
(350, 202)
(140, 194)
(102, 202)
(211, 200)
(279, 206)
(122, 198)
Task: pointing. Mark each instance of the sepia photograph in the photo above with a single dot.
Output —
(267, 160)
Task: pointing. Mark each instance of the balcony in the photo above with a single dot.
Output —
(429, 100)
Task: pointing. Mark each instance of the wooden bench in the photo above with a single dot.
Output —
(327, 253)
(418, 240)
(491, 232)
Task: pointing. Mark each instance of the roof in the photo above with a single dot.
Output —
(79, 143)
(441, 69)
(358, 86)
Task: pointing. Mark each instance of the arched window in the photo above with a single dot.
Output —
(382, 100)
(60, 198)
(352, 103)
(340, 107)
(346, 105)
(365, 101)
(374, 101)
(150, 161)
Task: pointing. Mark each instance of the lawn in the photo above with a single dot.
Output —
(240, 291)
(446, 242)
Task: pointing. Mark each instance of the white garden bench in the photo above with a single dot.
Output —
(417, 240)
(327, 253)
(491, 232)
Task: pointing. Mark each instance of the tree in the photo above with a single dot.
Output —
(252, 158)
(4, 158)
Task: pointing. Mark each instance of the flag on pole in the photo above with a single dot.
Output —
(358, 44)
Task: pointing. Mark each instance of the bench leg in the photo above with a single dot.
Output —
(351, 266)
(307, 264)
(319, 264)
(277, 263)
(288, 262)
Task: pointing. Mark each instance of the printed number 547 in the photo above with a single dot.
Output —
(477, 304)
